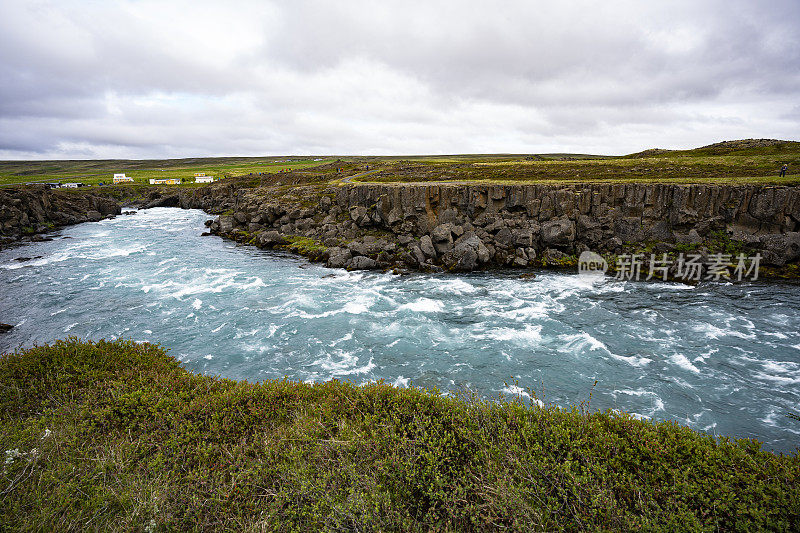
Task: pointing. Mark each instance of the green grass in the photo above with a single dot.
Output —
(117, 436)
(96, 171)
(732, 163)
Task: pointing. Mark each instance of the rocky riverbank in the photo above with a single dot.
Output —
(469, 227)
(458, 227)
(28, 211)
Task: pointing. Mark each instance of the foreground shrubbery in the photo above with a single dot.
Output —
(117, 436)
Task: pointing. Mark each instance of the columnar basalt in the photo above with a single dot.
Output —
(467, 227)
(31, 210)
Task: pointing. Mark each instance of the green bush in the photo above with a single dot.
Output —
(118, 436)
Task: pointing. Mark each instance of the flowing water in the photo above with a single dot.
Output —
(718, 357)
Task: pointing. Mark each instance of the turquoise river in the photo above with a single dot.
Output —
(721, 358)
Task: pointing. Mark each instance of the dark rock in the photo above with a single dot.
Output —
(338, 257)
(551, 255)
(504, 237)
(558, 232)
(226, 223)
(781, 249)
(5, 328)
(358, 214)
(442, 233)
(405, 239)
(417, 253)
(166, 201)
(270, 239)
(426, 245)
(361, 263)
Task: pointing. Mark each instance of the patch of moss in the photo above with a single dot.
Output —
(304, 246)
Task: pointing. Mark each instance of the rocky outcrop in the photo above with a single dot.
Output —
(31, 210)
(467, 227)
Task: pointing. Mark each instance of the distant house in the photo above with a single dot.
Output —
(50, 185)
(165, 181)
(199, 174)
(203, 179)
(122, 178)
(74, 185)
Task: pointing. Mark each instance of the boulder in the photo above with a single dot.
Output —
(225, 223)
(338, 257)
(551, 256)
(361, 263)
(467, 253)
(779, 249)
(416, 252)
(426, 245)
(358, 214)
(270, 239)
(558, 232)
(443, 233)
(504, 237)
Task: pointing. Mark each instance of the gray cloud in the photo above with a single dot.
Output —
(178, 79)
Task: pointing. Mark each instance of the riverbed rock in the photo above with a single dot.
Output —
(270, 239)
(338, 257)
(361, 263)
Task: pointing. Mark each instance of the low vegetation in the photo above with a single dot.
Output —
(731, 162)
(118, 436)
(94, 172)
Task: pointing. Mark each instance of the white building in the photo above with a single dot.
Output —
(122, 178)
(165, 181)
(204, 179)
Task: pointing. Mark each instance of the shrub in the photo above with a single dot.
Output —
(118, 436)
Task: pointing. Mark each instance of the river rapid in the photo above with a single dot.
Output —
(721, 358)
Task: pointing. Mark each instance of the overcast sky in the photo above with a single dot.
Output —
(146, 79)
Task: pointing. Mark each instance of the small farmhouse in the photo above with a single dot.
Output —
(165, 181)
(122, 178)
(74, 185)
(199, 174)
(203, 179)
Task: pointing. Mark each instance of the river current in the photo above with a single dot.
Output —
(721, 358)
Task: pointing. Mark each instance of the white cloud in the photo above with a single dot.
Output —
(180, 79)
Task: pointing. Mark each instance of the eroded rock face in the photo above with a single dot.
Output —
(463, 228)
(30, 210)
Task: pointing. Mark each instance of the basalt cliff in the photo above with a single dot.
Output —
(467, 227)
(459, 227)
(28, 211)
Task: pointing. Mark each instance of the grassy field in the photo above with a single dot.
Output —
(733, 162)
(117, 436)
(728, 164)
(94, 172)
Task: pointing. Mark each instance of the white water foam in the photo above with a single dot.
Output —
(681, 360)
(423, 305)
